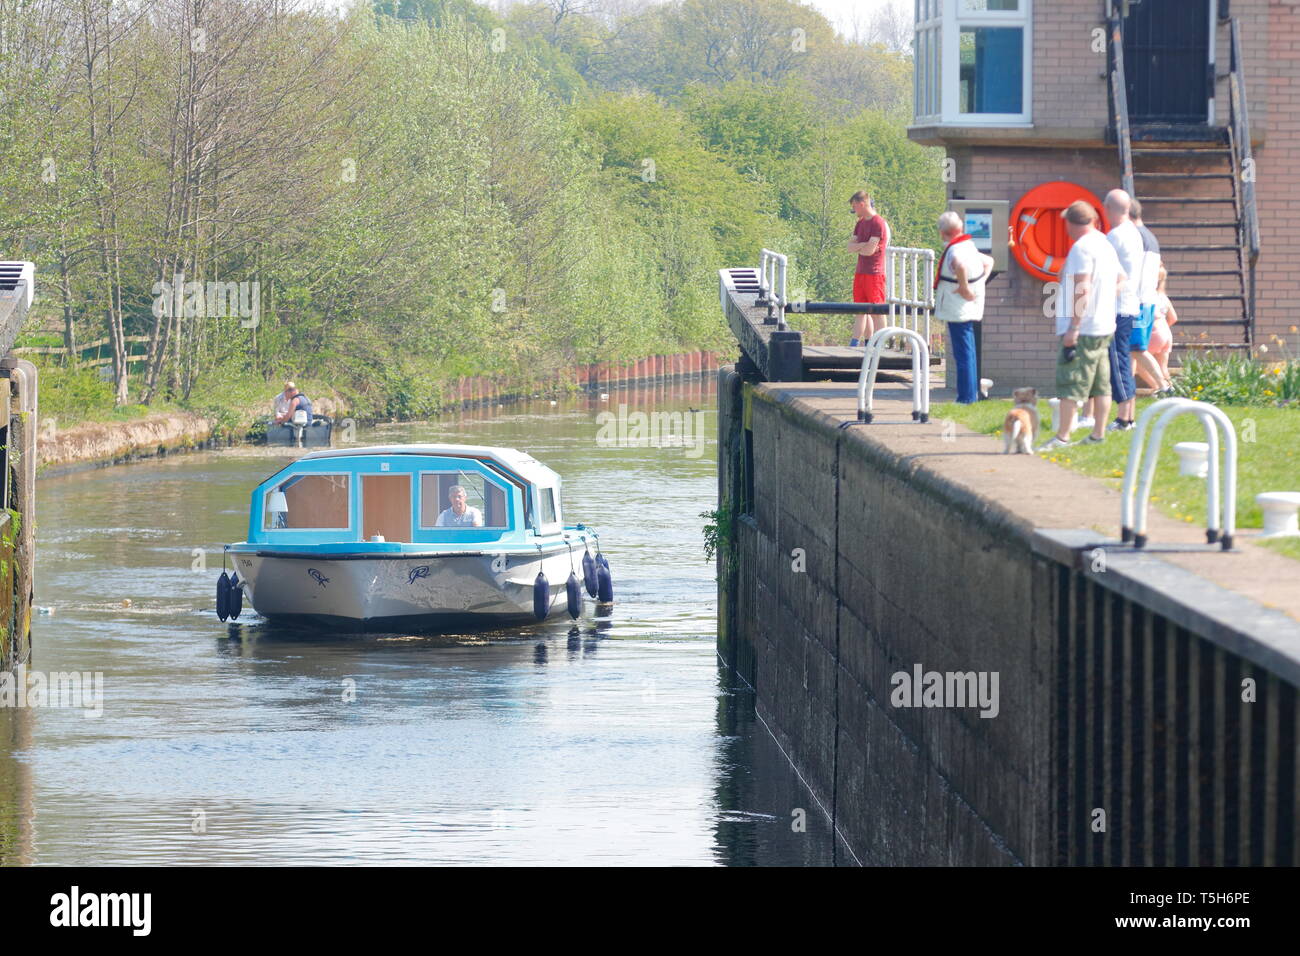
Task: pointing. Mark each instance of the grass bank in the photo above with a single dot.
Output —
(1268, 458)
(77, 396)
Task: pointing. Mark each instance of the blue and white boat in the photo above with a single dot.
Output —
(412, 537)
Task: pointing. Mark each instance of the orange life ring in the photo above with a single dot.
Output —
(1038, 237)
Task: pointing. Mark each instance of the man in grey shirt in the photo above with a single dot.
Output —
(460, 514)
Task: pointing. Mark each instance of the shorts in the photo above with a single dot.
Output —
(1087, 375)
(1141, 339)
(869, 287)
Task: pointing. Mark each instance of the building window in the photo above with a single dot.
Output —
(973, 63)
(991, 70)
(926, 50)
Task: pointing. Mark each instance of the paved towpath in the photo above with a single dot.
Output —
(1045, 495)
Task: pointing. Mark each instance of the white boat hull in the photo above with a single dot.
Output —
(403, 592)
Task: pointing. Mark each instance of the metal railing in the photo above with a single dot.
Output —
(772, 269)
(1243, 165)
(1136, 499)
(1119, 103)
(871, 368)
(909, 288)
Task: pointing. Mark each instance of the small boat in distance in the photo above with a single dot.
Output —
(412, 537)
(301, 431)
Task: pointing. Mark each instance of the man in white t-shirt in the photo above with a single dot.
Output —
(282, 406)
(1127, 240)
(1085, 321)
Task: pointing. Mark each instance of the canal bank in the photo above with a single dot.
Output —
(96, 444)
(1145, 706)
(92, 444)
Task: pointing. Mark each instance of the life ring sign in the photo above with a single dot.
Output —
(1038, 237)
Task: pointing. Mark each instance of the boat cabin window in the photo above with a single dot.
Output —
(315, 502)
(461, 499)
(547, 496)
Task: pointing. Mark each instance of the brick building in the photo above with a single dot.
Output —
(1024, 92)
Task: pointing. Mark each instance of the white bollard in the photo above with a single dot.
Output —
(1193, 458)
(1280, 513)
(1055, 403)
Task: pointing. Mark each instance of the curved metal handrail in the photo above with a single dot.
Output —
(1142, 458)
(871, 367)
(772, 268)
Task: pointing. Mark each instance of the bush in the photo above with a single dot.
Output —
(1238, 380)
(72, 394)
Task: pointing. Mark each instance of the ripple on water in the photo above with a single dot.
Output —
(606, 741)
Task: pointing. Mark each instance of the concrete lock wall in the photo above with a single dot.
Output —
(849, 564)
(18, 517)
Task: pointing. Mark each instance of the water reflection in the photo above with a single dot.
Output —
(603, 741)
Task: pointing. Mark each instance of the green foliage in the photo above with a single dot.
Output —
(1239, 380)
(66, 394)
(719, 538)
(427, 189)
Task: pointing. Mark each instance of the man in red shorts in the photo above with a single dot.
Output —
(870, 239)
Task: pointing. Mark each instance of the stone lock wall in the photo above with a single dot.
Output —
(1118, 688)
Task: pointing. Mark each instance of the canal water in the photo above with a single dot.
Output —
(615, 740)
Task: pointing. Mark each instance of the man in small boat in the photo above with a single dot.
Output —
(300, 400)
(460, 514)
(283, 403)
(288, 402)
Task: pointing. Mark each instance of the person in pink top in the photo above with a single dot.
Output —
(1162, 336)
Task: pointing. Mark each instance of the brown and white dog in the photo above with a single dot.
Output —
(1021, 423)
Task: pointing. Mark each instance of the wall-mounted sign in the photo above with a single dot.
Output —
(985, 221)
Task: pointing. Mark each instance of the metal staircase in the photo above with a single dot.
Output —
(1197, 187)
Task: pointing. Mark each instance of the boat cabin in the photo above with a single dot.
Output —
(382, 497)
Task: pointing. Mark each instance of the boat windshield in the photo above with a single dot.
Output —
(461, 499)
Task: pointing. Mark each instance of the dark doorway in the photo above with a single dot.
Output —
(1166, 61)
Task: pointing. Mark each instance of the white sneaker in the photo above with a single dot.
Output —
(1053, 444)
(1084, 421)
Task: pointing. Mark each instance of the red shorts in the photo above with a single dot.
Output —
(868, 287)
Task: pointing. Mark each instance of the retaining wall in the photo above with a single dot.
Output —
(1119, 690)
